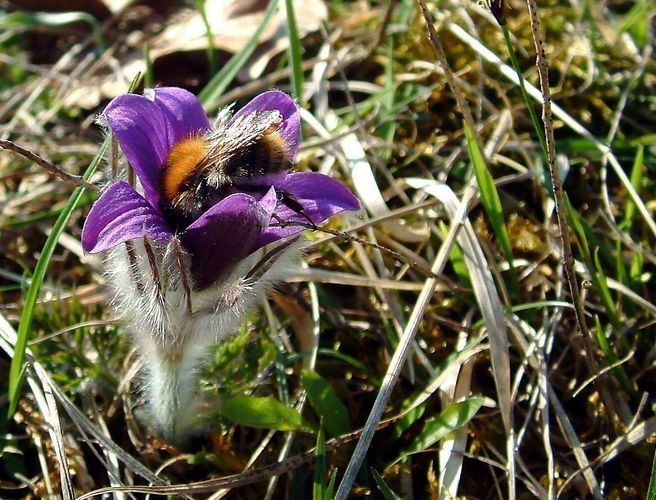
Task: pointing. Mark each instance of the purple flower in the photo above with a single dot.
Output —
(234, 223)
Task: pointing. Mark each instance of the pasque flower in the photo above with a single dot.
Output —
(148, 130)
(184, 283)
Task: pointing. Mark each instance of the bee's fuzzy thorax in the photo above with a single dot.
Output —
(180, 166)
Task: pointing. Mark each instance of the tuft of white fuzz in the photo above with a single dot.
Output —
(174, 331)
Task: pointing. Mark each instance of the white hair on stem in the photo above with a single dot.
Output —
(174, 325)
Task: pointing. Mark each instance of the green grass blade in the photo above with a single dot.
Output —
(636, 179)
(24, 326)
(295, 54)
(529, 105)
(355, 363)
(330, 489)
(636, 270)
(604, 292)
(326, 403)
(457, 259)
(651, 492)
(636, 22)
(595, 268)
(387, 492)
(148, 73)
(618, 372)
(489, 195)
(17, 368)
(320, 470)
(451, 419)
(217, 85)
(575, 221)
(211, 49)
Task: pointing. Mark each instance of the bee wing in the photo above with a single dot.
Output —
(229, 137)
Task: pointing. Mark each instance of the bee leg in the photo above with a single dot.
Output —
(293, 204)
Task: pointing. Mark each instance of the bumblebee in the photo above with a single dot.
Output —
(201, 170)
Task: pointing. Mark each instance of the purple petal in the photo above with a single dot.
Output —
(119, 215)
(145, 135)
(225, 234)
(320, 196)
(272, 100)
(183, 111)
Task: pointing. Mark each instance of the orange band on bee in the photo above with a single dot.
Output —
(180, 165)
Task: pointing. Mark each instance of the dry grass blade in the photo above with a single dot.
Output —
(401, 352)
(487, 298)
(43, 394)
(579, 453)
(340, 278)
(8, 336)
(563, 225)
(368, 191)
(53, 169)
(499, 359)
(635, 435)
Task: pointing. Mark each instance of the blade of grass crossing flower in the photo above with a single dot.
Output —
(211, 50)
(490, 197)
(319, 486)
(17, 369)
(387, 492)
(295, 55)
(217, 85)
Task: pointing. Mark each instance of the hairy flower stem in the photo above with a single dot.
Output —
(172, 393)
